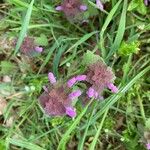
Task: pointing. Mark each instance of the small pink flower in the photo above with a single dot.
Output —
(70, 111)
(75, 94)
(148, 146)
(146, 2)
(59, 8)
(99, 5)
(83, 7)
(90, 92)
(38, 49)
(81, 77)
(112, 87)
(71, 82)
(51, 78)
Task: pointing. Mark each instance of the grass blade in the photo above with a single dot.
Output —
(81, 143)
(51, 50)
(83, 39)
(120, 32)
(108, 20)
(24, 27)
(24, 144)
(93, 144)
(66, 136)
(57, 59)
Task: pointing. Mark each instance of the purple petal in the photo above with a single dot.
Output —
(83, 7)
(148, 146)
(81, 77)
(112, 87)
(146, 2)
(51, 78)
(70, 111)
(99, 5)
(90, 92)
(59, 8)
(38, 49)
(75, 94)
(71, 82)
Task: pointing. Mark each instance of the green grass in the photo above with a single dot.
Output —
(119, 121)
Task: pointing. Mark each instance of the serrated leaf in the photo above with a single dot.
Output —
(129, 48)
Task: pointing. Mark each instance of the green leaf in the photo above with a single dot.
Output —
(2, 145)
(42, 40)
(142, 8)
(90, 58)
(132, 5)
(7, 67)
(129, 48)
(137, 5)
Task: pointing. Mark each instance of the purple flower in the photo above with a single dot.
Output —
(81, 77)
(72, 9)
(71, 82)
(55, 100)
(90, 92)
(70, 111)
(75, 94)
(112, 87)
(83, 7)
(148, 146)
(51, 78)
(59, 8)
(99, 5)
(38, 49)
(99, 75)
(29, 47)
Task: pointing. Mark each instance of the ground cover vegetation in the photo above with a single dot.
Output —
(74, 75)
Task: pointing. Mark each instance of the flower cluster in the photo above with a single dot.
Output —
(98, 76)
(72, 9)
(57, 101)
